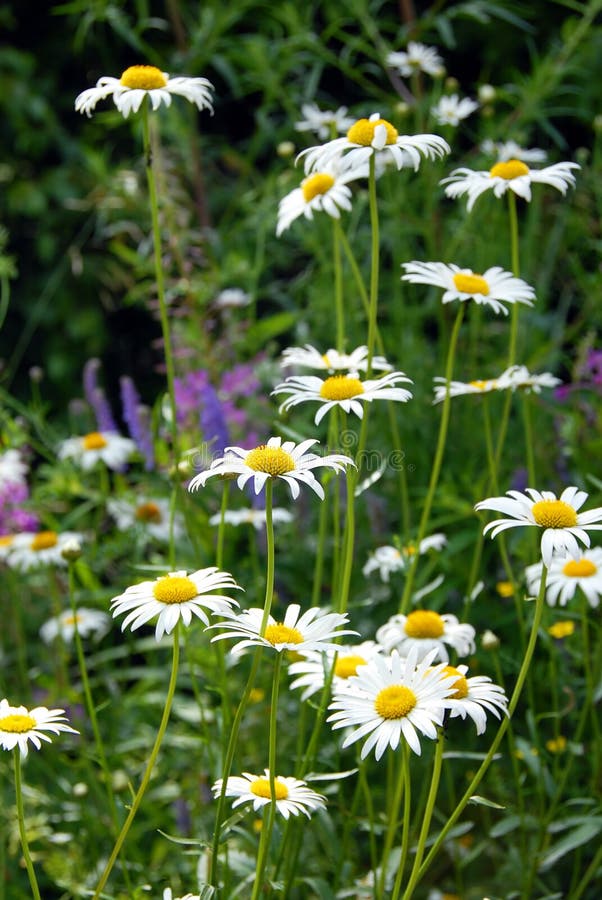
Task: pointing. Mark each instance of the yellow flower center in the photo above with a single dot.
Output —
(504, 588)
(362, 132)
(424, 623)
(561, 630)
(513, 168)
(478, 384)
(6, 540)
(94, 441)
(44, 540)
(17, 723)
(554, 514)
(395, 701)
(145, 78)
(261, 788)
(579, 568)
(471, 283)
(341, 387)
(320, 183)
(272, 460)
(460, 686)
(174, 589)
(71, 620)
(282, 634)
(556, 745)
(409, 550)
(148, 512)
(346, 666)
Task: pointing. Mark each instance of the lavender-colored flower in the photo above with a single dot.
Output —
(97, 398)
(213, 422)
(137, 419)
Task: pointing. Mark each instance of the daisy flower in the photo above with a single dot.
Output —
(138, 82)
(12, 468)
(474, 697)
(566, 574)
(461, 388)
(292, 796)
(44, 548)
(388, 559)
(506, 150)
(332, 360)
(168, 895)
(346, 391)
(452, 110)
(151, 516)
(324, 191)
(173, 597)
(89, 622)
(232, 298)
(311, 671)
(19, 725)
(424, 631)
(6, 543)
(323, 123)
(391, 698)
(417, 58)
(310, 631)
(563, 525)
(520, 377)
(367, 137)
(254, 517)
(512, 174)
(288, 461)
(98, 446)
(493, 288)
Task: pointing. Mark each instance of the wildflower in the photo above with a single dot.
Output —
(96, 396)
(311, 630)
(346, 391)
(487, 94)
(504, 588)
(254, 517)
(417, 58)
(461, 388)
(291, 795)
(566, 574)
(19, 725)
(562, 524)
(451, 110)
(323, 123)
(311, 670)
(474, 697)
(321, 191)
(13, 469)
(150, 516)
(493, 288)
(425, 631)
(168, 895)
(332, 360)
(507, 150)
(489, 640)
(557, 745)
(287, 461)
(560, 630)
(388, 559)
(89, 623)
(513, 174)
(173, 597)
(232, 298)
(391, 698)
(137, 417)
(375, 136)
(98, 446)
(138, 82)
(29, 550)
(519, 377)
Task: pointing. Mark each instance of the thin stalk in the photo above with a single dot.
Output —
(393, 817)
(269, 534)
(407, 821)
(22, 830)
(338, 285)
(374, 265)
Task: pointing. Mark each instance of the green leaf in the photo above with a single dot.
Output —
(482, 801)
(571, 841)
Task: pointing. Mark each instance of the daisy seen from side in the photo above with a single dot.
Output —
(13, 469)
(276, 459)
(388, 559)
(254, 517)
(493, 288)
(463, 388)
(139, 82)
(150, 516)
(567, 574)
(416, 58)
(509, 175)
(562, 523)
(519, 377)
(451, 110)
(332, 360)
(324, 191)
(311, 671)
(89, 622)
(19, 726)
(107, 447)
(292, 796)
(392, 698)
(346, 391)
(30, 550)
(505, 150)
(175, 596)
(425, 632)
(475, 697)
(323, 122)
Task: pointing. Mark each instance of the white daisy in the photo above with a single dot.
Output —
(232, 298)
(311, 630)
(566, 574)
(461, 388)
(98, 446)
(149, 516)
(12, 468)
(6, 543)
(388, 559)
(138, 82)
(474, 697)
(562, 524)
(311, 671)
(29, 550)
(323, 122)
(332, 360)
(89, 622)
(18, 725)
(506, 150)
(391, 698)
(451, 110)
(287, 461)
(168, 895)
(513, 174)
(292, 796)
(417, 58)
(425, 631)
(173, 597)
(375, 136)
(493, 288)
(324, 191)
(346, 391)
(254, 517)
(520, 377)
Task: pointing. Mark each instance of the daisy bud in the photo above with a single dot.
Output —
(489, 640)
(72, 550)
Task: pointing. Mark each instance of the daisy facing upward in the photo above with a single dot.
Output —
(510, 175)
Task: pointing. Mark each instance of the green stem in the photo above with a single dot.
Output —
(149, 766)
(407, 820)
(393, 819)
(338, 285)
(374, 265)
(269, 534)
(22, 830)
(587, 875)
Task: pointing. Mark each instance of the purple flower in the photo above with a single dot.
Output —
(137, 419)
